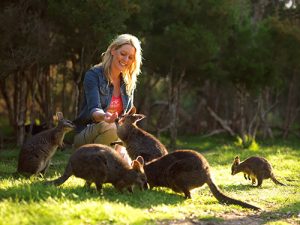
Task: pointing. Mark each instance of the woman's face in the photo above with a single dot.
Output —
(123, 57)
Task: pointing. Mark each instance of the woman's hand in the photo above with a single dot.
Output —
(107, 117)
(110, 117)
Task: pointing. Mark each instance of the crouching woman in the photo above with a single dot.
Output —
(108, 91)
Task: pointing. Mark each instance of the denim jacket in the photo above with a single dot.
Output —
(97, 96)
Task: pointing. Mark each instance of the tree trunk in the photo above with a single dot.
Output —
(33, 86)
(9, 104)
(291, 107)
(21, 107)
(221, 122)
(174, 97)
(242, 104)
(266, 109)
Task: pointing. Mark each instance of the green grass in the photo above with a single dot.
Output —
(29, 201)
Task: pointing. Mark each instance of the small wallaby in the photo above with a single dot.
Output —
(184, 170)
(99, 164)
(37, 151)
(257, 168)
(137, 141)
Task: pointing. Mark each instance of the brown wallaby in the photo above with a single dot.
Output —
(257, 168)
(36, 153)
(183, 170)
(137, 141)
(99, 164)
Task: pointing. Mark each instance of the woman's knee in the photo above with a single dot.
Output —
(108, 135)
(101, 133)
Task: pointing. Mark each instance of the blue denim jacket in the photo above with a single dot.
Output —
(97, 96)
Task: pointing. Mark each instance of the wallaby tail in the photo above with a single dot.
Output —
(225, 199)
(276, 181)
(63, 178)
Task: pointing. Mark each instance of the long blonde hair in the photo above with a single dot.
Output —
(129, 75)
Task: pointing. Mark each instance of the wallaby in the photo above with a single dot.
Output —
(137, 141)
(184, 170)
(257, 168)
(36, 153)
(99, 164)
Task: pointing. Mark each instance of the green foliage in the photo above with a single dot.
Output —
(6, 129)
(187, 36)
(248, 143)
(29, 201)
(249, 64)
(86, 26)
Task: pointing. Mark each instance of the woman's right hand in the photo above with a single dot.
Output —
(110, 117)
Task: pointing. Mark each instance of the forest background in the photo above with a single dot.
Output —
(209, 66)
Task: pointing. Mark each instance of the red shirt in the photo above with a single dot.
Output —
(116, 105)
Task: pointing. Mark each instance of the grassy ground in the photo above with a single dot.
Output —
(29, 201)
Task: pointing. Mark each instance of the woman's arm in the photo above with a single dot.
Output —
(91, 88)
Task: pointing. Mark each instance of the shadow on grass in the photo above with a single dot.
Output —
(38, 191)
(285, 212)
(212, 220)
(248, 186)
(5, 175)
(255, 218)
(237, 187)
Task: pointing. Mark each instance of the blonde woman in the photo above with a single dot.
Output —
(108, 91)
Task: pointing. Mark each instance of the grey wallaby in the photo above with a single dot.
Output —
(255, 169)
(37, 151)
(184, 170)
(137, 141)
(99, 164)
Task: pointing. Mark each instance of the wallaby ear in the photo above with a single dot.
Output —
(135, 165)
(141, 160)
(59, 115)
(139, 117)
(132, 111)
(237, 159)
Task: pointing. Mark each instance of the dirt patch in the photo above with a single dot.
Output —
(236, 218)
(227, 220)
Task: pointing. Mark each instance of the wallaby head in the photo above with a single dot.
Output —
(64, 124)
(140, 179)
(137, 141)
(235, 163)
(129, 118)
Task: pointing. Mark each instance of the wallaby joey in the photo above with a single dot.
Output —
(184, 170)
(99, 164)
(257, 168)
(137, 141)
(36, 153)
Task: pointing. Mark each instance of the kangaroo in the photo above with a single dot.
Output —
(36, 153)
(184, 170)
(257, 168)
(137, 141)
(99, 164)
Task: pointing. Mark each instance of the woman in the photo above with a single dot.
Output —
(108, 91)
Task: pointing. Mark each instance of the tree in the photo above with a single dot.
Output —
(83, 30)
(183, 42)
